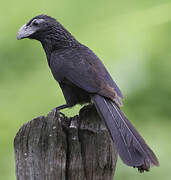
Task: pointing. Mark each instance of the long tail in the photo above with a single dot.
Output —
(130, 145)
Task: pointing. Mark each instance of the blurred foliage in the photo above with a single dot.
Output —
(133, 40)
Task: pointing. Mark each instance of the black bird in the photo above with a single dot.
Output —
(83, 78)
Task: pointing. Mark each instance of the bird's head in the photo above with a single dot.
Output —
(37, 27)
(45, 29)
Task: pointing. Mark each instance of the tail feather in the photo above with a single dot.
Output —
(130, 145)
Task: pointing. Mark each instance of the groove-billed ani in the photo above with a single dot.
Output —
(83, 78)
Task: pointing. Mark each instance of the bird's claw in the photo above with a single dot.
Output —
(62, 114)
(57, 112)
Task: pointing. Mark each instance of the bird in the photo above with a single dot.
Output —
(84, 79)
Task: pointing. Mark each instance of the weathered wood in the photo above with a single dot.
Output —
(61, 148)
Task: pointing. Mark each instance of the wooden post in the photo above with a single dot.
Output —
(61, 148)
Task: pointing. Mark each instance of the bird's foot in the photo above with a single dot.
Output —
(58, 113)
(58, 108)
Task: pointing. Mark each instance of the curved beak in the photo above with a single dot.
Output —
(24, 32)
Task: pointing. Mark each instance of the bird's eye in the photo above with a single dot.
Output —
(35, 23)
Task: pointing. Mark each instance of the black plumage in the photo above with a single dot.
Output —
(83, 78)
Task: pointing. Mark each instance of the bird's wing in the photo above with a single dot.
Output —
(99, 66)
(82, 68)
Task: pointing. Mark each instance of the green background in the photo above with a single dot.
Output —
(132, 38)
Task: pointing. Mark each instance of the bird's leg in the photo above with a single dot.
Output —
(58, 108)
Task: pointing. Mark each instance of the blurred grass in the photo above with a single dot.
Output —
(133, 40)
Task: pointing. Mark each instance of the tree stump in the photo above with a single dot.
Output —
(61, 148)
